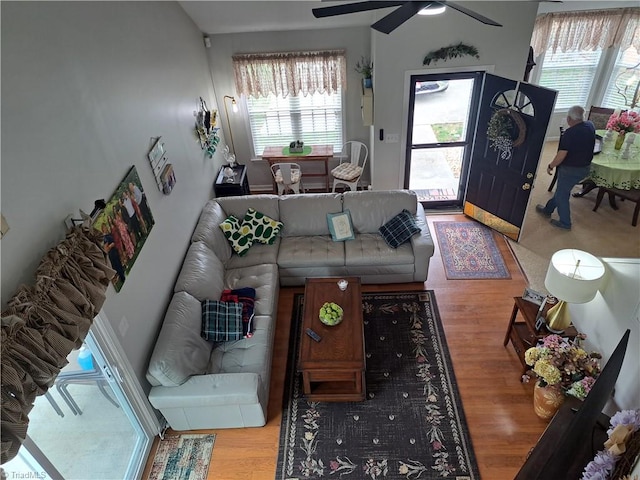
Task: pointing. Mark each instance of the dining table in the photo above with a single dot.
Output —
(310, 153)
(613, 168)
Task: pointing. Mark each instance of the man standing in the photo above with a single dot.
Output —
(573, 161)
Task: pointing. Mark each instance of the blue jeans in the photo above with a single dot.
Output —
(568, 177)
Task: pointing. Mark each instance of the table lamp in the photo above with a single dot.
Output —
(573, 276)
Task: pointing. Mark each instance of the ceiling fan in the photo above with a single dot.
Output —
(406, 10)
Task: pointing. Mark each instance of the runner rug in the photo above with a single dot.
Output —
(411, 424)
(184, 457)
(469, 251)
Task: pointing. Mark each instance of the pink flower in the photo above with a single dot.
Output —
(624, 122)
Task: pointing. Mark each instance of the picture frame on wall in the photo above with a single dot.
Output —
(125, 223)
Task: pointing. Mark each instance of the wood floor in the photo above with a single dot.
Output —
(475, 315)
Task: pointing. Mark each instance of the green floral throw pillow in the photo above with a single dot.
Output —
(239, 237)
(263, 229)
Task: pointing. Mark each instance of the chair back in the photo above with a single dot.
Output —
(287, 176)
(356, 152)
(599, 116)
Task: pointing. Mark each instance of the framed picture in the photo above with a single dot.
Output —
(156, 152)
(533, 296)
(125, 223)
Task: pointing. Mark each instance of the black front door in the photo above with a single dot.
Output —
(512, 123)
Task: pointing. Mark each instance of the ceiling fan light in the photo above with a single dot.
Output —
(434, 8)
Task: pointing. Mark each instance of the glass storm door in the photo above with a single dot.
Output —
(441, 126)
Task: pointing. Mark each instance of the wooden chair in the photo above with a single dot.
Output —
(599, 116)
(555, 173)
(632, 195)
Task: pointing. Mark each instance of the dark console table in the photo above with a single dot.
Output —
(226, 187)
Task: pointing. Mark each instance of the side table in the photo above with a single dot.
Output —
(239, 185)
(523, 335)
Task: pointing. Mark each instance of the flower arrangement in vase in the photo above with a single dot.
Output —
(623, 123)
(365, 68)
(564, 366)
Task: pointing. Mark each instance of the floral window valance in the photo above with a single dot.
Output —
(290, 73)
(587, 30)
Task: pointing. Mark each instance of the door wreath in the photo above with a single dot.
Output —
(506, 130)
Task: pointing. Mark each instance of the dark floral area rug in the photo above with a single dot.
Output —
(411, 425)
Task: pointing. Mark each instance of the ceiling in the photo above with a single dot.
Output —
(218, 16)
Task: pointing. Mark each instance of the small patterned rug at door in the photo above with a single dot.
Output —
(469, 251)
(183, 457)
(411, 425)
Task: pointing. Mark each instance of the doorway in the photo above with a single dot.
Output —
(441, 124)
(94, 423)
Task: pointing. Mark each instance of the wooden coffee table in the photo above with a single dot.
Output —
(333, 369)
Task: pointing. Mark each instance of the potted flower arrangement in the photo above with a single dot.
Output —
(364, 67)
(623, 123)
(562, 367)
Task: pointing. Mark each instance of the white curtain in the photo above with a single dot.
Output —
(587, 30)
(290, 73)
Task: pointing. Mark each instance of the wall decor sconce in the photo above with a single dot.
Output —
(234, 109)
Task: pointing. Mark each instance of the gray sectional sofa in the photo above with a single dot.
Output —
(199, 385)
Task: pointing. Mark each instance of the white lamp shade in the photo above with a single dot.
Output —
(574, 276)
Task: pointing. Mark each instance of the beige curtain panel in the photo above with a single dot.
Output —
(290, 73)
(44, 322)
(587, 30)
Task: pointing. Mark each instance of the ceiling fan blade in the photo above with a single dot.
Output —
(322, 12)
(400, 15)
(471, 13)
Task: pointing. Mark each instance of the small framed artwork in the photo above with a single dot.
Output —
(156, 152)
(532, 296)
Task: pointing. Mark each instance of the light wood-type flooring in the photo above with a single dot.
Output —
(475, 315)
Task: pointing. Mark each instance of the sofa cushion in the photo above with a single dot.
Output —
(207, 230)
(340, 226)
(202, 273)
(317, 250)
(370, 250)
(247, 297)
(372, 209)
(240, 237)
(306, 214)
(262, 228)
(221, 321)
(238, 206)
(263, 278)
(399, 229)
(180, 351)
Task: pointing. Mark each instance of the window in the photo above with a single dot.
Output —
(572, 74)
(624, 80)
(314, 119)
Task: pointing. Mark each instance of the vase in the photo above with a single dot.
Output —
(619, 140)
(547, 401)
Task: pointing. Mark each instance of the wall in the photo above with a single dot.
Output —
(85, 85)
(614, 309)
(355, 40)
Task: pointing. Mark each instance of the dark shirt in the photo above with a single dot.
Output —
(578, 141)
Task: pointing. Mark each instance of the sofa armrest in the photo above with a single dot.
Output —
(211, 389)
(423, 246)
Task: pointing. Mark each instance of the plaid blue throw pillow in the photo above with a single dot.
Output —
(221, 321)
(399, 229)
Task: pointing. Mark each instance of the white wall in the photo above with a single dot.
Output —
(356, 42)
(85, 85)
(404, 49)
(606, 318)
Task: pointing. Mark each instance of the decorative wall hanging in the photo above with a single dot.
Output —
(452, 51)
(125, 223)
(162, 170)
(506, 130)
(206, 129)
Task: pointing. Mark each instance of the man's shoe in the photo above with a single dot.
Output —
(540, 209)
(556, 223)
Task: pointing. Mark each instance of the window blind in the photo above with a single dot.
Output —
(314, 119)
(571, 73)
(624, 80)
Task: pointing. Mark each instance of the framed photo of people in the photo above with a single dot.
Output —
(125, 223)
